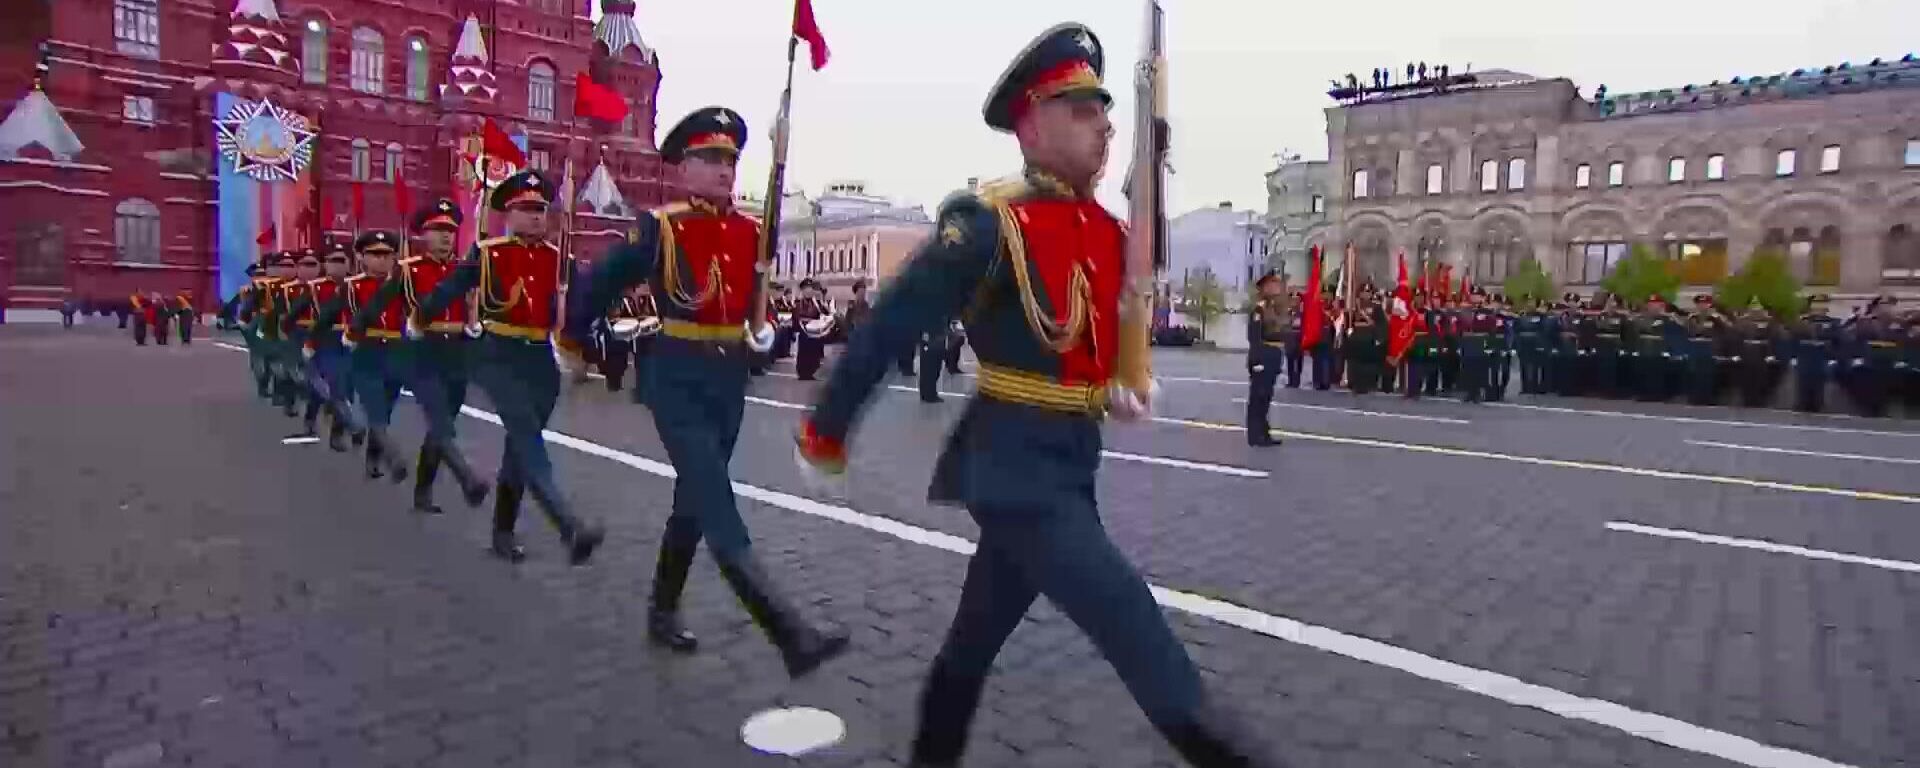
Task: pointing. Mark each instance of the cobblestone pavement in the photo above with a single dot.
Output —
(179, 588)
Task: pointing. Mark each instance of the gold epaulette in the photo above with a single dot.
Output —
(493, 241)
(1002, 191)
(410, 260)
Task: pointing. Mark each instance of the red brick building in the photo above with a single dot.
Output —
(107, 157)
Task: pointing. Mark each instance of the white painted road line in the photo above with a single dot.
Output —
(1201, 466)
(1359, 412)
(916, 391)
(1696, 420)
(1197, 380)
(1656, 728)
(1765, 546)
(1563, 463)
(1793, 452)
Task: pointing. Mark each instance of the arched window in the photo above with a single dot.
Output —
(1824, 267)
(1902, 264)
(540, 91)
(313, 53)
(369, 72)
(362, 160)
(396, 163)
(417, 77)
(1582, 176)
(136, 28)
(1436, 178)
(1517, 173)
(136, 231)
(1489, 175)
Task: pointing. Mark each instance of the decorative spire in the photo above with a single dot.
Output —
(602, 196)
(35, 120)
(256, 9)
(617, 31)
(469, 77)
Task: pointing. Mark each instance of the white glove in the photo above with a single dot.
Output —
(572, 367)
(818, 480)
(1126, 405)
(306, 353)
(475, 330)
(761, 340)
(1258, 368)
(411, 329)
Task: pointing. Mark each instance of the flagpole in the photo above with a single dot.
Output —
(776, 192)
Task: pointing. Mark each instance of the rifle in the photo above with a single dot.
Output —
(1147, 208)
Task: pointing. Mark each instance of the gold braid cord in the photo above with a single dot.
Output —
(670, 269)
(491, 303)
(1055, 336)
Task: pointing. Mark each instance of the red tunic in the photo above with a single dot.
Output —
(294, 291)
(520, 282)
(1062, 235)
(420, 275)
(703, 240)
(392, 318)
(323, 292)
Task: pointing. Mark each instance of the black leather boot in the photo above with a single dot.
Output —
(506, 513)
(947, 704)
(580, 537)
(336, 434)
(677, 548)
(803, 646)
(472, 488)
(1213, 737)
(425, 470)
(382, 459)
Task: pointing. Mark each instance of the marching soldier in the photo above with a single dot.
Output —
(141, 315)
(282, 358)
(185, 315)
(313, 315)
(296, 325)
(615, 352)
(933, 352)
(644, 309)
(1047, 354)
(437, 358)
(1706, 332)
(247, 305)
(783, 332)
(376, 364)
(809, 307)
(1759, 356)
(521, 280)
(1530, 340)
(1653, 341)
(1267, 350)
(1814, 340)
(698, 255)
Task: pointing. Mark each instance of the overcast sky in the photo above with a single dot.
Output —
(899, 104)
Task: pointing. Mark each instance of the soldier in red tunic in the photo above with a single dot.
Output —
(521, 280)
(1037, 266)
(375, 365)
(436, 362)
(701, 257)
(326, 357)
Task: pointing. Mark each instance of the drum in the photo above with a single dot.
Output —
(818, 328)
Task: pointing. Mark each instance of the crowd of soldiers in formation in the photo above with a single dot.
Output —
(149, 313)
(1468, 346)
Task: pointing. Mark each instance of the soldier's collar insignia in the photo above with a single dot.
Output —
(952, 234)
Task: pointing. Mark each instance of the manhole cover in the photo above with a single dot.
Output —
(794, 731)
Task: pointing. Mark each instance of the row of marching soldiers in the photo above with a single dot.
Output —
(1467, 345)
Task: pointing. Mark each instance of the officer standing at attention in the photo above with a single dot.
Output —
(1875, 346)
(1608, 325)
(1814, 340)
(811, 350)
(1530, 339)
(1502, 359)
(701, 256)
(1705, 330)
(1652, 356)
(1267, 350)
(1759, 356)
(1423, 374)
(436, 361)
(522, 280)
(1366, 347)
(1045, 261)
(1291, 337)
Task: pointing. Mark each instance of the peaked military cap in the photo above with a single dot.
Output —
(376, 241)
(809, 283)
(303, 254)
(1266, 278)
(253, 270)
(1819, 298)
(525, 186)
(333, 246)
(716, 128)
(285, 257)
(439, 214)
(1063, 61)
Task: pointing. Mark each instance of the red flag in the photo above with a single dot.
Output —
(1314, 314)
(497, 144)
(402, 195)
(358, 206)
(267, 229)
(266, 235)
(591, 99)
(1446, 281)
(805, 28)
(1401, 321)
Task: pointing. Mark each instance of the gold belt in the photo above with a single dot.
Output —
(1026, 388)
(303, 323)
(1881, 344)
(521, 332)
(446, 326)
(692, 331)
(382, 333)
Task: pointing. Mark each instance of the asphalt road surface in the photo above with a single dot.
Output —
(1545, 582)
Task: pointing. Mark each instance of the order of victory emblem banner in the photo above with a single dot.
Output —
(264, 141)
